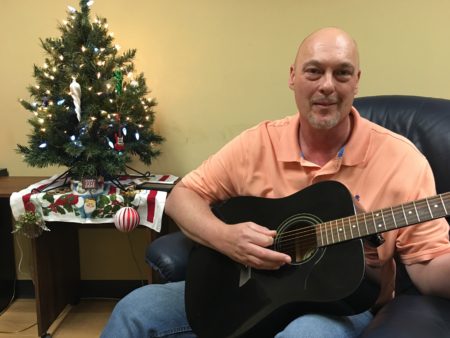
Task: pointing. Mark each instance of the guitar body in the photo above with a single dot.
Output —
(226, 299)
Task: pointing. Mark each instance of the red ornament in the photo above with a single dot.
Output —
(119, 145)
(126, 219)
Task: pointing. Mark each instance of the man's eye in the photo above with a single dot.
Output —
(343, 73)
(312, 71)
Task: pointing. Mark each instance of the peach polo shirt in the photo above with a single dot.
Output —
(379, 167)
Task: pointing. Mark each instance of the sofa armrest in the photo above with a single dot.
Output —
(168, 255)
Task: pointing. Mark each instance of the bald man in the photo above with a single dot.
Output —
(326, 140)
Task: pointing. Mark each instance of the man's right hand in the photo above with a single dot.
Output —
(247, 243)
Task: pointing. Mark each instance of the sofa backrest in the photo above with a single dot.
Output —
(423, 120)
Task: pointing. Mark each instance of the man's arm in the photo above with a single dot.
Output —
(244, 242)
(432, 277)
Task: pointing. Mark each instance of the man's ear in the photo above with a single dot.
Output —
(291, 77)
(355, 92)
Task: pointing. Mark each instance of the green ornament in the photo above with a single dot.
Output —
(30, 225)
(119, 79)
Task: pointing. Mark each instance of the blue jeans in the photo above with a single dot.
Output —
(158, 311)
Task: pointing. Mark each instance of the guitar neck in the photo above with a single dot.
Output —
(365, 224)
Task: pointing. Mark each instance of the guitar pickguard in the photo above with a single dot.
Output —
(245, 275)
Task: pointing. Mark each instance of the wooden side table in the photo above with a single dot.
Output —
(8, 185)
(56, 259)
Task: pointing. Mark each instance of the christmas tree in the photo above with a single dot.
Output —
(90, 110)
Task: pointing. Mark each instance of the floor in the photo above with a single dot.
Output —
(84, 320)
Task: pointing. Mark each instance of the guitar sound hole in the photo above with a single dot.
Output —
(297, 238)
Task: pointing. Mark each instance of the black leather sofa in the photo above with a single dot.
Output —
(426, 122)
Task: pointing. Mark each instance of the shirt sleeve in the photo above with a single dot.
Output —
(220, 176)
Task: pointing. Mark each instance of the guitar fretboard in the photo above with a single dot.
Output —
(364, 224)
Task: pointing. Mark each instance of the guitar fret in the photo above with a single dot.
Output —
(321, 234)
(342, 229)
(337, 231)
(424, 210)
(445, 198)
(429, 208)
(331, 232)
(393, 217)
(365, 223)
(399, 217)
(361, 224)
(374, 222)
(326, 228)
(377, 222)
(350, 227)
(383, 220)
(437, 206)
(404, 215)
(357, 226)
(336, 227)
(318, 229)
(443, 204)
(415, 209)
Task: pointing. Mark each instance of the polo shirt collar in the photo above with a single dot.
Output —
(289, 150)
(355, 150)
(357, 146)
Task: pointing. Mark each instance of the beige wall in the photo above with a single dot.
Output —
(217, 67)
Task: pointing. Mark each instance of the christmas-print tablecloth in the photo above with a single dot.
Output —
(69, 204)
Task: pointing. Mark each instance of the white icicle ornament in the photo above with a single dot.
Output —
(75, 92)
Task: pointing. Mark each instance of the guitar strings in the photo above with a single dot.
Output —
(312, 233)
(363, 218)
(304, 235)
(331, 228)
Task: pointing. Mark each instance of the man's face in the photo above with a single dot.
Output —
(325, 79)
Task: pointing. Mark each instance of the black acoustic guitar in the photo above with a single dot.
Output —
(318, 228)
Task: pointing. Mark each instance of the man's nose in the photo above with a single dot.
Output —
(327, 84)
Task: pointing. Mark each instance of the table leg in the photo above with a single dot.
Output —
(7, 262)
(56, 274)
